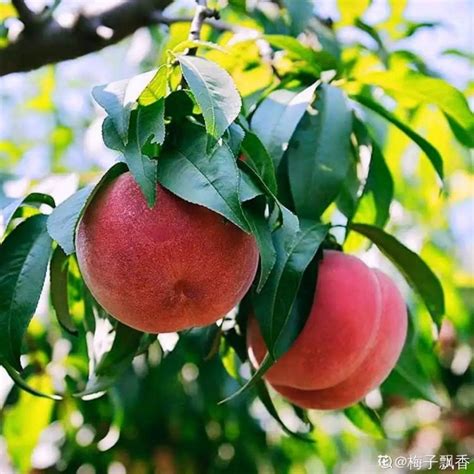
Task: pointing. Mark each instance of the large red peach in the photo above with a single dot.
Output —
(172, 267)
(297, 375)
(340, 329)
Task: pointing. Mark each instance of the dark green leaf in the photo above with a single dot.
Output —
(319, 153)
(379, 182)
(62, 222)
(248, 188)
(234, 137)
(260, 228)
(430, 151)
(366, 420)
(110, 136)
(212, 181)
(23, 384)
(214, 91)
(409, 378)
(277, 116)
(259, 160)
(141, 166)
(24, 257)
(348, 198)
(267, 402)
(9, 206)
(179, 105)
(300, 14)
(59, 292)
(151, 123)
(417, 273)
(115, 361)
(295, 249)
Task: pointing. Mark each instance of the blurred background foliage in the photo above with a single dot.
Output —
(163, 414)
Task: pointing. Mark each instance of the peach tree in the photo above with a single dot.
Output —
(266, 118)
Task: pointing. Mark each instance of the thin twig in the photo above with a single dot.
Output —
(201, 14)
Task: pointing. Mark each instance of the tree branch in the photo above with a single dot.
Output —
(26, 16)
(49, 42)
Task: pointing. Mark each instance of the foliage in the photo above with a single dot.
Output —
(296, 137)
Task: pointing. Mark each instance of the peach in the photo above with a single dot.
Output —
(169, 268)
(326, 344)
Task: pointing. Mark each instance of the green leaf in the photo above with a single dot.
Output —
(259, 160)
(151, 123)
(348, 198)
(156, 89)
(62, 222)
(24, 385)
(379, 182)
(417, 273)
(142, 168)
(315, 61)
(214, 91)
(9, 206)
(25, 421)
(430, 151)
(293, 46)
(366, 420)
(24, 257)
(295, 249)
(326, 37)
(267, 402)
(409, 378)
(277, 117)
(248, 188)
(212, 181)
(300, 13)
(255, 214)
(234, 136)
(58, 288)
(319, 153)
(114, 362)
(117, 99)
(425, 90)
(459, 53)
(110, 136)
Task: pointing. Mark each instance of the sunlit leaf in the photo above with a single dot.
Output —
(430, 151)
(351, 10)
(156, 88)
(25, 421)
(366, 420)
(425, 90)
